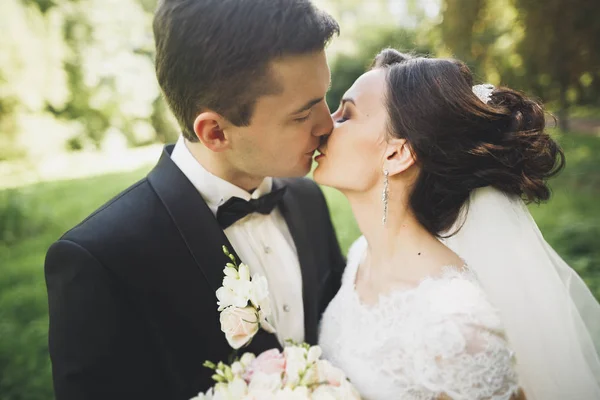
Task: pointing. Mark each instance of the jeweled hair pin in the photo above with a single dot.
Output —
(484, 91)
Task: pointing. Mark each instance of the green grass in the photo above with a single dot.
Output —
(31, 218)
(40, 214)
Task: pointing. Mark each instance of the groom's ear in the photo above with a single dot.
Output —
(398, 156)
(209, 128)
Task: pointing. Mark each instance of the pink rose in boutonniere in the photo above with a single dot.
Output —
(243, 302)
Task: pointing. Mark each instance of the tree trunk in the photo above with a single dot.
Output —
(563, 81)
(595, 90)
(563, 112)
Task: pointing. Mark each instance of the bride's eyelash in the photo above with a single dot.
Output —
(345, 117)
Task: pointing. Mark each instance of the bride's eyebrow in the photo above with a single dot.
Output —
(348, 100)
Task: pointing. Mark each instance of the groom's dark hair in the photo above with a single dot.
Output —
(215, 54)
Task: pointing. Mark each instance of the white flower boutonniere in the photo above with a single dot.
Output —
(243, 302)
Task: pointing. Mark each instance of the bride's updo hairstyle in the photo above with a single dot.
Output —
(461, 143)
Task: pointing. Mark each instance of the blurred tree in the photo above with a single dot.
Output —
(561, 48)
(367, 27)
(344, 71)
(483, 34)
(346, 68)
(31, 38)
(42, 5)
(550, 48)
(77, 72)
(460, 18)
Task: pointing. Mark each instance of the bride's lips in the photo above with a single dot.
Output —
(312, 152)
(320, 155)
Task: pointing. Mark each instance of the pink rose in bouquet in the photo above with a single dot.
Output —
(297, 373)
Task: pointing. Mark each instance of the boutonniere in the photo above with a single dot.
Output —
(243, 302)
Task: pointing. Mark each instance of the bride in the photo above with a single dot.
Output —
(452, 292)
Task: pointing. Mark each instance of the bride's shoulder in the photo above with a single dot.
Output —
(354, 257)
(464, 332)
(458, 293)
(357, 249)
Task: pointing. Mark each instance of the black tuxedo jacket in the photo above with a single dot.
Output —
(131, 289)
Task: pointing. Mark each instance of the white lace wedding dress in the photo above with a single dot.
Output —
(441, 337)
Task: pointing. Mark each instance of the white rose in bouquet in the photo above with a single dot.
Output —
(299, 393)
(297, 373)
(236, 389)
(264, 383)
(296, 364)
(328, 373)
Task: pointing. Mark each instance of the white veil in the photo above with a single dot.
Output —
(552, 320)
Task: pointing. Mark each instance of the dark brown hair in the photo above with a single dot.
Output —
(462, 143)
(214, 54)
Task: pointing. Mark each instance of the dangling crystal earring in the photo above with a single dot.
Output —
(386, 194)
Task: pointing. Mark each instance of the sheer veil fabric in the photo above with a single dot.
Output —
(551, 318)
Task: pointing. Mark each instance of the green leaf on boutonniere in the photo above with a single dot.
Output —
(230, 256)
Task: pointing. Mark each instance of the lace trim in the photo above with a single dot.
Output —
(356, 256)
(448, 272)
(440, 336)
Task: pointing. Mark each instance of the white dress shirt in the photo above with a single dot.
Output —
(263, 242)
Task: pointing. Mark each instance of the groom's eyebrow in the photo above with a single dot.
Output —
(308, 105)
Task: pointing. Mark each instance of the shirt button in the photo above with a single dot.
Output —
(286, 308)
(267, 250)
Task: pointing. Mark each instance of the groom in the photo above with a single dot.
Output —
(131, 289)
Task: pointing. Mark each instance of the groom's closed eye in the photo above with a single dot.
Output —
(304, 118)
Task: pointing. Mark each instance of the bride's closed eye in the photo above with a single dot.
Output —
(345, 117)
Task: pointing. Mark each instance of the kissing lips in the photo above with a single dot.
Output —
(320, 155)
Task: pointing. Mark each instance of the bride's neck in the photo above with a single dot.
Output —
(402, 238)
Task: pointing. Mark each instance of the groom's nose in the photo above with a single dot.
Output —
(324, 124)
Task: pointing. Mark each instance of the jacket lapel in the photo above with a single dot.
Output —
(199, 229)
(296, 219)
(194, 220)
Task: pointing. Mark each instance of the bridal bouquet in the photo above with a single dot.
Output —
(296, 374)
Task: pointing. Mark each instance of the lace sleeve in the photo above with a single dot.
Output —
(465, 339)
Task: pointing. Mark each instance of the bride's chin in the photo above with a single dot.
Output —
(322, 176)
(319, 175)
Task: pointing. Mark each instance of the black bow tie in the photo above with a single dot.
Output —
(235, 208)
